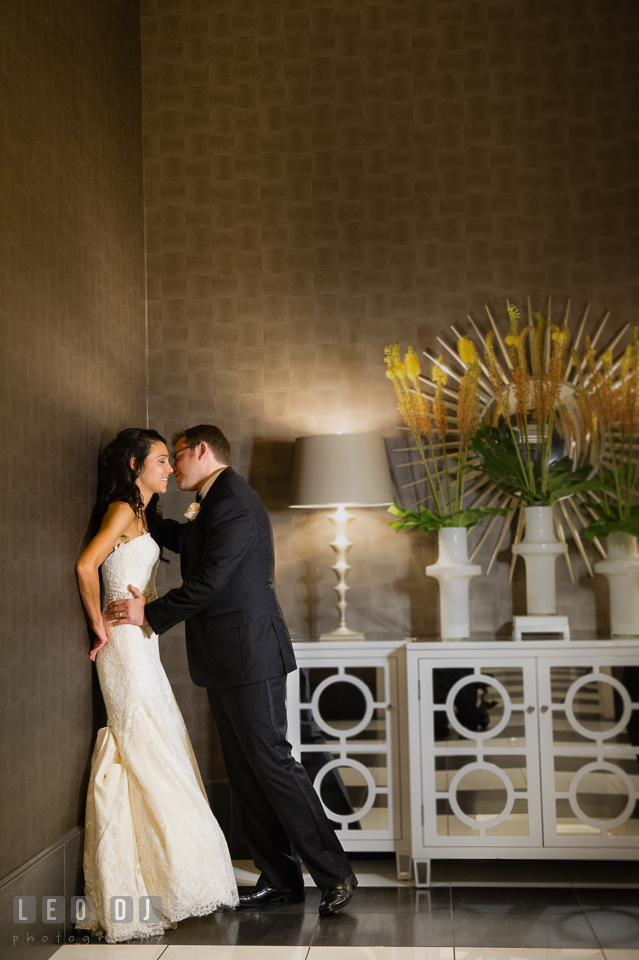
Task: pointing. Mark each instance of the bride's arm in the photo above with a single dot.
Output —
(117, 521)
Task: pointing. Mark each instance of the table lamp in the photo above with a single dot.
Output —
(341, 470)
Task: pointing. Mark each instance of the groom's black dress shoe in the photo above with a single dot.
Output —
(338, 896)
(260, 896)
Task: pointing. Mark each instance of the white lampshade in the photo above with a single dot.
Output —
(343, 469)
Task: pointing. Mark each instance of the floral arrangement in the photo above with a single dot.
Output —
(610, 401)
(530, 415)
(443, 450)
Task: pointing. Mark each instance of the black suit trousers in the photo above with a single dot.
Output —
(282, 816)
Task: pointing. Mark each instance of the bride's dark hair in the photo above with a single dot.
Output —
(116, 477)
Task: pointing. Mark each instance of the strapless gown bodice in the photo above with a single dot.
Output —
(149, 828)
(136, 562)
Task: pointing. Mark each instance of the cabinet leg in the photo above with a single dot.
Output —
(422, 873)
(403, 862)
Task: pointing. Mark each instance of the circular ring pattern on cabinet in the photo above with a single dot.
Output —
(604, 766)
(368, 712)
(475, 734)
(594, 734)
(490, 768)
(370, 784)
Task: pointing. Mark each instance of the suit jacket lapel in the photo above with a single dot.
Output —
(207, 503)
(189, 530)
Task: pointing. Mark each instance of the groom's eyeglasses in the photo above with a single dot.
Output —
(173, 459)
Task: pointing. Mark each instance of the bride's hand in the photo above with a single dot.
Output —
(101, 638)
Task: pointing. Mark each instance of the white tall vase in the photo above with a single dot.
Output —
(453, 572)
(540, 549)
(621, 568)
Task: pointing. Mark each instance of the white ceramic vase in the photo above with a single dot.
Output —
(621, 568)
(540, 549)
(454, 573)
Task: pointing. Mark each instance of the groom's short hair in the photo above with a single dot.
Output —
(211, 436)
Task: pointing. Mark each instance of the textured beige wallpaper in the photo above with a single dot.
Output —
(73, 365)
(323, 178)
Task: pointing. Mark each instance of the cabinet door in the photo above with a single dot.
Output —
(589, 733)
(479, 752)
(341, 716)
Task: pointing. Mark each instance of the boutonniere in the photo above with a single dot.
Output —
(192, 512)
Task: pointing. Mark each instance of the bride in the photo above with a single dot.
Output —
(149, 829)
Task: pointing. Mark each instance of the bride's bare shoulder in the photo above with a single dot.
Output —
(120, 510)
(118, 518)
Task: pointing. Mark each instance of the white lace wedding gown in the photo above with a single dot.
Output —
(149, 828)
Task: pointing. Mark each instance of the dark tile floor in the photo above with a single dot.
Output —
(441, 917)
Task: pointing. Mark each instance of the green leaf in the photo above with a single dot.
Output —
(569, 489)
(612, 523)
(501, 461)
(408, 518)
(607, 525)
(499, 458)
(427, 521)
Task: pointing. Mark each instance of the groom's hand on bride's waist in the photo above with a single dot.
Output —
(120, 612)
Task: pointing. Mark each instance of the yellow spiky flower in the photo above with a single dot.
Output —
(468, 409)
(437, 372)
(599, 385)
(496, 377)
(520, 374)
(629, 398)
(610, 399)
(413, 404)
(516, 342)
(467, 351)
(537, 345)
(513, 313)
(558, 362)
(440, 411)
(392, 359)
(576, 359)
(412, 366)
(513, 340)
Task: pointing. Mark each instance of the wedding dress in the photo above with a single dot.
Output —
(149, 829)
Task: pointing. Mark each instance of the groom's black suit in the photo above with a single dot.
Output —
(235, 631)
(238, 647)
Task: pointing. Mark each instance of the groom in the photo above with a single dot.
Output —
(239, 648)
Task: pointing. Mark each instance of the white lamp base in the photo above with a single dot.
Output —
(342, 633)
(341, 545)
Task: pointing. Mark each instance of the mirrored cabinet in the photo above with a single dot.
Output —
(473, 750)
(347, 725)
(525, 753)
